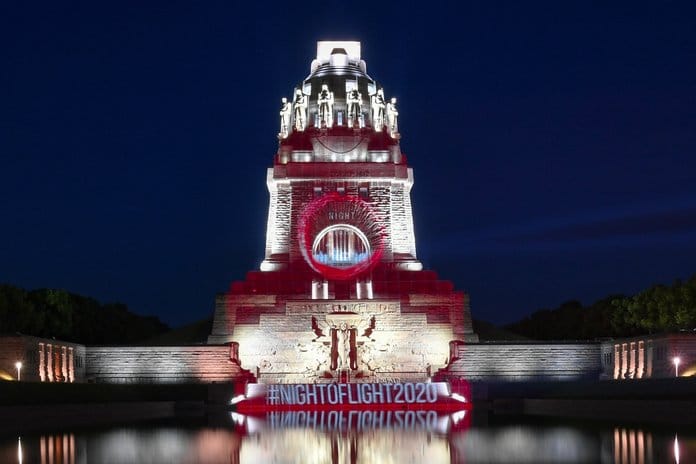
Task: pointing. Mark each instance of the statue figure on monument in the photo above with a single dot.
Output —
(354, 101)
(285, 112)
(378, 105)
(344, 333)
(343, 337)
(325, 102)
(300, 108)
(392, 118)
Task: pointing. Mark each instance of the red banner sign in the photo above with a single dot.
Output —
(401, 395)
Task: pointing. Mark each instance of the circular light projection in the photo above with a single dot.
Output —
(340, 236)
(341, 246)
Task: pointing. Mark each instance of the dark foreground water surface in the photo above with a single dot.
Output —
(356, 437)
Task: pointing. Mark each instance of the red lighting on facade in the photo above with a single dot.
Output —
(348, 210)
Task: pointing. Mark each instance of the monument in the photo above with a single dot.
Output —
(341, 308)
(341, 295)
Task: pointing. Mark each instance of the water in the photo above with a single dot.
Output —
(355, 437)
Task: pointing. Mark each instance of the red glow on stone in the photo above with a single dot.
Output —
(266, 397)
(312, 219)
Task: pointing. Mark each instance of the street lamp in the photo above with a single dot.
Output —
(676, 362)
(18, 365)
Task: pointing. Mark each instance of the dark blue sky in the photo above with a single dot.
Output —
(554, 144)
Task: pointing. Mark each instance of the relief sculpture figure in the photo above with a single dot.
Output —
(354, 101)
(378, 105)
(392, 117)
(343, 346)
(285, 112)
(325, 103)
(300, 108)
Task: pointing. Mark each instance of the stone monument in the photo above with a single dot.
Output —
(341, 295)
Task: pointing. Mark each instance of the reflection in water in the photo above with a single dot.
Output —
(55, 449)
(165, 445)
(524, 444)
(43, 449)
(632, 446)
(347, 437)
(351, 438)
(373, 446)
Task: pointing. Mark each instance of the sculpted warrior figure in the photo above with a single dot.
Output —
(378, 110)
(343, 348)
(300, 108)
(285, 112)
(325, 102)
(354, 101)
(343, 336)
(392, 116)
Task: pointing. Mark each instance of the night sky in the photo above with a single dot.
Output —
(553, 144)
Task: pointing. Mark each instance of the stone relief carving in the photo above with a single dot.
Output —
(318, 353)
(285, 113)
(378, 105)
(300, 108)
(344, 348)
(344, 328)
(325, 102)
(392, 117)
(354, 102)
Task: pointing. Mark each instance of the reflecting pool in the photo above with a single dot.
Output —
(351, 437)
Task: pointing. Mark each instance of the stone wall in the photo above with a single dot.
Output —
(43, 359)
(162, 364)
(649, 356)
(293, 345)
(524, 361)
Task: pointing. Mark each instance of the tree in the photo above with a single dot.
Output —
(71, 317)
(658, 308)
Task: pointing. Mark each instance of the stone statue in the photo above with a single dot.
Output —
(378, 105)
(343, 337)
(300, 108)
(325, 102)
(354, 101)
(285, 113)
(392, 117)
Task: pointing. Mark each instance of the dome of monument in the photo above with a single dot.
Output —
(340, 99)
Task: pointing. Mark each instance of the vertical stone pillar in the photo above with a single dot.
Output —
(234, 352)
(640, 372)
(49, 362)
(57, 368)
(64, 363)
(71, 365)
(649, 359)
(453, 351)
(42, 362)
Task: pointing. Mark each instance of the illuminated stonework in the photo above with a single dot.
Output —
(341, 294)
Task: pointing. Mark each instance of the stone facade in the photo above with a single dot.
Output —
(390, 343)
(43, 359)
(649, 356)
(163, 364)
(341, 294)
(506, 362)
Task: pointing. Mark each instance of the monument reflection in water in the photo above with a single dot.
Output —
(337, 437)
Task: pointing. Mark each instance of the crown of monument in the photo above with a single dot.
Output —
(335, 57)
(339, 98)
